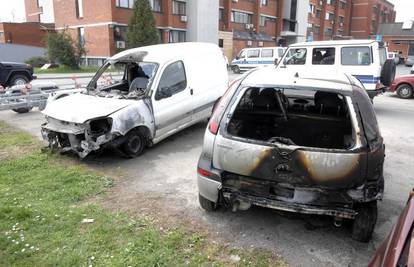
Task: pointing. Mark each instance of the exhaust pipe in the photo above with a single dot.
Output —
(240, 205)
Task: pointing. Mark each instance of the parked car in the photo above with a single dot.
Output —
(394, 56)
(364, 59)
(412, 70)
(398, 248)
(249, 58)
(409, 61)
(15, 74)
(138, 98)
(403, 86)
(295, 141)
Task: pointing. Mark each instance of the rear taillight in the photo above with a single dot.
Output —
(204, 173)
(214, 123)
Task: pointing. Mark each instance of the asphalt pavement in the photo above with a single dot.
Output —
(166, 173)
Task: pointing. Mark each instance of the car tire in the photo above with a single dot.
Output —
(22, 110)
(405, 91)
(207, 204)
(236, 69)
(388, 72)
(364, 222)
(18, 79)
(134, 144)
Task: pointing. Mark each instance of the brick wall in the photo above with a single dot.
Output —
(23, 33)
(31, 8)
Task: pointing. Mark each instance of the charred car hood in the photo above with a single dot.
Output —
(79, 108)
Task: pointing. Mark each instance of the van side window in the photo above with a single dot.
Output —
(242, 54)
(280, 52)
(295, 56)
(323, 56)
(253, 53)
(267, 53)
(173, 78)
(360, 55)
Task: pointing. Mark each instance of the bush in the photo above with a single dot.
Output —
(37, 62)
(63, 49)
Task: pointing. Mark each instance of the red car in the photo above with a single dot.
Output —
(404, 86)
(398, 248)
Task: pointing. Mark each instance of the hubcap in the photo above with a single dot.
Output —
(134, 144)
(405, 91)
(20, 82)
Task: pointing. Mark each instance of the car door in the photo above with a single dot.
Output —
(172, 101)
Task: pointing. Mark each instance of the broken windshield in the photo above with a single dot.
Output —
(120, 79)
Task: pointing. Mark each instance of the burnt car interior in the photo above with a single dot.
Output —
(124, 80)
(293, 117)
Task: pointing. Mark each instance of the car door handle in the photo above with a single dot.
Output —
(191, 91)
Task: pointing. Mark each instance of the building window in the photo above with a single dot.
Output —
(264, 2)
(341, 19)
(330, 2)
(318, 13)
(81, 36)
(156, 5)
(221, 43)
(342, 4)
(177, 36)
(240, 17)
(1, 34)
(125, 3)
(79, 9)
(329, 16)
(328, 31)
(311, 8)
(316, 29)
(340, 32)
(221, 14)
(264, 20)
(179, 8)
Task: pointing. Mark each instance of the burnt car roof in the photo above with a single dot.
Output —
(285, 78)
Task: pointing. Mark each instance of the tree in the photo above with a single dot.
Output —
(61, 48)
(141, 27)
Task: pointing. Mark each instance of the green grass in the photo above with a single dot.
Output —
(43, 203)
(63, 70)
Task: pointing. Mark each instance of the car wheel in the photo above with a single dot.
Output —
(134, 144)
(207, 204)
(388, 72)
(405, 91)
(364, 222)
(22, 110)
(19, 80)
(236, 69)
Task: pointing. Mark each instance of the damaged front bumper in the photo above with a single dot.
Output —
(76, 139)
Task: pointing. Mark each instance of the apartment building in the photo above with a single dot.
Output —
(328, 19)
(336, 19)
(256, 23)
(366, 15)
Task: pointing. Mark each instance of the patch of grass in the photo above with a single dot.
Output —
(41, 212)
(9, 137)
(63, 70)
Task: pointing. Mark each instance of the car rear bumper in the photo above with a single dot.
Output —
(306, 200)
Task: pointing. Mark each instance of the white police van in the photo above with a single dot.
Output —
(364, 59)
(249, 58)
